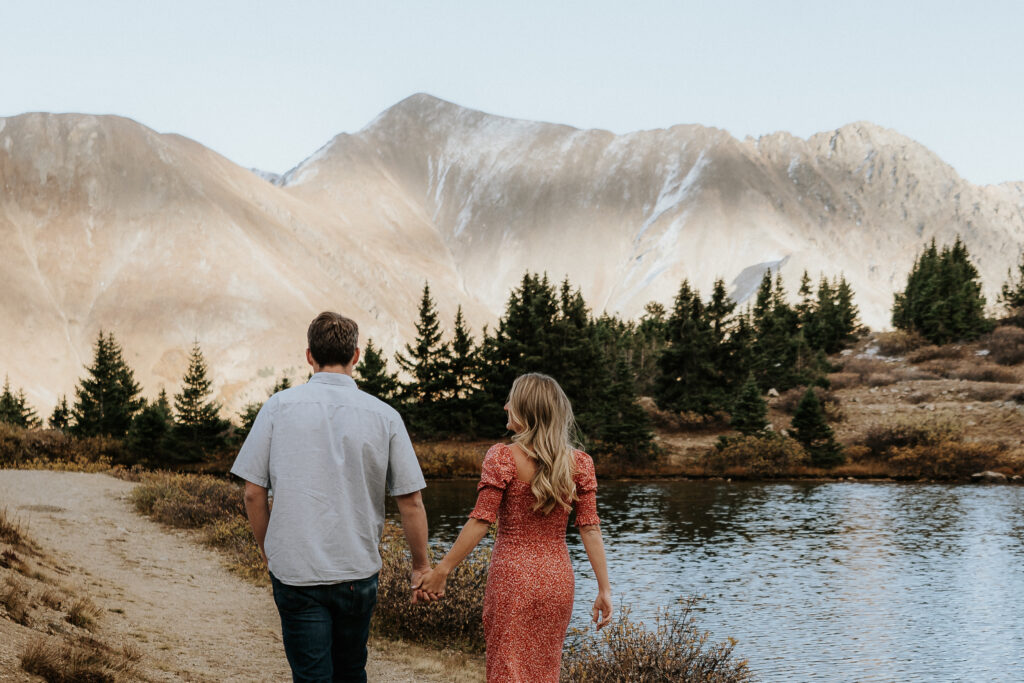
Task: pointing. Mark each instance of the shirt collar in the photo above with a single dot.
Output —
(335, 378)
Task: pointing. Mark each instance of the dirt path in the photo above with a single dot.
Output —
(193, 619)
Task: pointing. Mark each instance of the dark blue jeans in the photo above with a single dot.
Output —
(325, 628)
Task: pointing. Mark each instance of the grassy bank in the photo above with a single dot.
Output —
(51, 628)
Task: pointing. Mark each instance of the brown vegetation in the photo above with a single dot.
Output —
(898, 342)
(80, 660)
(456, 621)
(772, 455)
(53, 449)
(675, 650)
(1005, 345)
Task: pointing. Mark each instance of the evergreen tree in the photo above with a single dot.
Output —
(150, 437)
(811, 429)
(424, 362)
(749, 410)
(554, 333)
(61, 416)
(780, 355)
(690, 379)
(372, 374)
(649, 339)
(198, 428)
(462, 396)
(108, 398)
(1012, 295)
(942, 300)
(14, 408)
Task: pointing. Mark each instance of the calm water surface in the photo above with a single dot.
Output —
(828, 581)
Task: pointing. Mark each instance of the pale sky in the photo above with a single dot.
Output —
(267, 83)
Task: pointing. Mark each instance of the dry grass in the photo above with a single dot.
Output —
(1005, 345)
(451, 459)
(675, 650)
(984, 372)
(50, 449)
(456, 621)
(899, 342)
(14, 599)
(52, 598)
(82, 660)
(83, 613)
(772, 455)
(932, 352)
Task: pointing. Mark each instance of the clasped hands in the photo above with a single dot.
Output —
(428, 584)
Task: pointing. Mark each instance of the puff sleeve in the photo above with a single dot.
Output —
(586, 490)
(499, 468)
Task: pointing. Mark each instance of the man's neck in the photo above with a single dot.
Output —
(338, 369)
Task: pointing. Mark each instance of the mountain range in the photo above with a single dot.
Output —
(107, 224)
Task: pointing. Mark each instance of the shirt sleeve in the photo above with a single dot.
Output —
(497, 471)
(253, 461)
(404, 474)
(586, 491)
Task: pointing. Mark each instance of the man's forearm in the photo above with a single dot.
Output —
(414, 523)
(257, 509)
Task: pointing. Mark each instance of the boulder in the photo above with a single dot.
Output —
(988, 477)
(773, 392)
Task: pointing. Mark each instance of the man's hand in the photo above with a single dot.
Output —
(419, 595)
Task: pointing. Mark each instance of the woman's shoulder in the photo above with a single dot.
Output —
(584, 464)
(499, 451)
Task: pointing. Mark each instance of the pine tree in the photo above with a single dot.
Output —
(150, 436)
(462, 397)
(690, 379)
(199, 428)
(780, 355)
(749, 410)
(108, 398)
(14, 408)
(61, 417)
(424, 363)
(1011, 296)
(811, 429)
(248, 415)
(372, 373)
(942, 300)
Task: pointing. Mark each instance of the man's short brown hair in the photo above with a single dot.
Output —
(332, 339)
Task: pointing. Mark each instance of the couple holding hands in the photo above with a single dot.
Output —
(330, 452)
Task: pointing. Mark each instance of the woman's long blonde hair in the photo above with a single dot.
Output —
(546, 433)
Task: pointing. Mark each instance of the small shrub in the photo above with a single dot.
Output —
(789, 400)
(13, 598)
(880, 379)
(912, 373)
(932, 352)
(946, 459)
(685, 421)
(920, 397)
(772, 455)
(985, 372)
(35, 448)
(940, 367)
(1005, 345)
(84, 660)
(844, 380)
(899, 342)
(991, 392)
(10, 530)
(450, 459)
(52, 598)
(234, 536)
(675, 650)
(83, 613)
(863, 367)
(909, 432)
(455, 621)
(188, 500)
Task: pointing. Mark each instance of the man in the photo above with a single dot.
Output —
(327, 451)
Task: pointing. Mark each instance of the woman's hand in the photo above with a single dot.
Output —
(433, 582)
(602, 609)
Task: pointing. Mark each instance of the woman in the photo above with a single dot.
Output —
(530, 487)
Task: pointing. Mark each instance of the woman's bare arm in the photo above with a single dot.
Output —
(471, 535)
(594, 545)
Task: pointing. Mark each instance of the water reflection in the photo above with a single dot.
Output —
(818, 581)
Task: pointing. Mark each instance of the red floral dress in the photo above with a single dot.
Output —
(530, 585)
